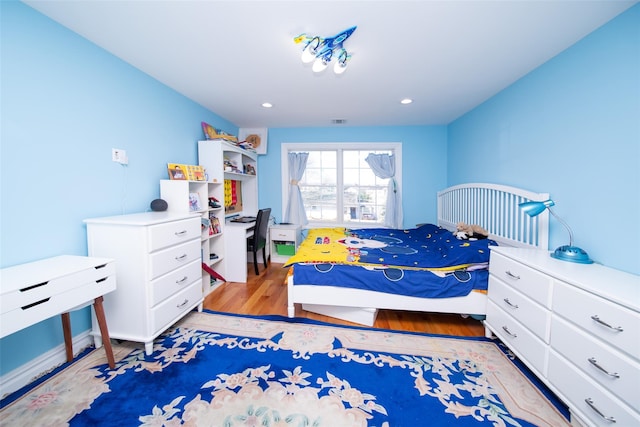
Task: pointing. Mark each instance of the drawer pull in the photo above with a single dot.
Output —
(594, 362)
(597, 411)
(597, 319)
(510, 304)
(33, 304)
(181, 257)
(513, 276)
(180, 233)
(185, 302)
(28, 288)
(504, 328)
(184, 279)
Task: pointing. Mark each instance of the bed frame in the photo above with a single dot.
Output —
(492, 206)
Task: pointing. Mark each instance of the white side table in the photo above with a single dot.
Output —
(283, 234)
(36, 291)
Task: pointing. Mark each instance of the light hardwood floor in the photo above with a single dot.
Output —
(267, 294)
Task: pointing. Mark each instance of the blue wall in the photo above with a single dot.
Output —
(65, 104)
(424, 172)
(570, 128)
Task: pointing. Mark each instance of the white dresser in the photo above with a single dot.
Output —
(576, 326)
(158, 255)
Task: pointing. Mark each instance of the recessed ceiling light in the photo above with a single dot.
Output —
(406, 101)
(267, 105)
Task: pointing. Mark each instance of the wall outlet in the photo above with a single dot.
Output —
(119, 156)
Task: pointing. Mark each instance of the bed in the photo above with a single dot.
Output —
(494, 207)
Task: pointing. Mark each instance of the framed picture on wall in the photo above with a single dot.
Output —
(257, 137)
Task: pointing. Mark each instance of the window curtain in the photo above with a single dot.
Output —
(295, 213)
(384, 166)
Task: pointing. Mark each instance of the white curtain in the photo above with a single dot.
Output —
(384, 166)
(295, 213)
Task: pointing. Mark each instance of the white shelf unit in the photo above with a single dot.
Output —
(177, 195)
(212, 155)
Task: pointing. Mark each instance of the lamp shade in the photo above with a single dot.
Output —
(535, 208)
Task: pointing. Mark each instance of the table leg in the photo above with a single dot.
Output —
(68, 341)
(104, 331)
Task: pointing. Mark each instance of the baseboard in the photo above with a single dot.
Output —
(42, 364)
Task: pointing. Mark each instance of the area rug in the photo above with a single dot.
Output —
(214, 369)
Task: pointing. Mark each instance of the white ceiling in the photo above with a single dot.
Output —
(232, 55)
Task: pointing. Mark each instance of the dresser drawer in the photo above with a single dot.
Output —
(616, 325)
(577, 388)
(169, 259)
(175, 281)
(54, 304)
(532, 315)
(528, 281)
(173, 233)
(286, 234)
(518, 338)
(32, 293)
(574, 344)
(168, 312)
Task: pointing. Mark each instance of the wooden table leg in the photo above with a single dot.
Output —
(68, 340)
(104, 331)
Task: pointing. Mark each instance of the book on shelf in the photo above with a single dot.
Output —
(206, 225)
(194, 202)
(181, 172)
(215, 224)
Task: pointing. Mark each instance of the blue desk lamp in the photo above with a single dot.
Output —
(567, 252)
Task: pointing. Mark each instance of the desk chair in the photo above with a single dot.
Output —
(259, 239)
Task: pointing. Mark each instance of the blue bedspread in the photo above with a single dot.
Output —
(427, 261)
(427, 246)
(415, 283)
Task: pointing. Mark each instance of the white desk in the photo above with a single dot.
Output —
(36, 291)
(235, 249)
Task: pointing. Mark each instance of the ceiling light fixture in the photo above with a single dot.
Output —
(406, 101)
(321, 51)
(267, 105)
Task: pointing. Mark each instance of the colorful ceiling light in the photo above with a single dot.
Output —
(321, 51)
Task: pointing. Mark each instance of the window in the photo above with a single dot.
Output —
(338, 186)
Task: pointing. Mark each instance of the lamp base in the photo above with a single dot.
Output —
(571, 254)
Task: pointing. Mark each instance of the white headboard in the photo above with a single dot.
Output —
(495, 208)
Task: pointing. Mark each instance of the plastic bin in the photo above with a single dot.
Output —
(284, 248)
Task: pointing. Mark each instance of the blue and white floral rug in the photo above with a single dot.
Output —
(215, 369)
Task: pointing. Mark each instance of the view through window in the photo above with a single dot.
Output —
(338, 186)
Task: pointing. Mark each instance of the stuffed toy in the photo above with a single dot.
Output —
(470, 232)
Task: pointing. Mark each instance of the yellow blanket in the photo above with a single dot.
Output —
(322, 245)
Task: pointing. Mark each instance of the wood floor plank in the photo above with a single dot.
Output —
(266, 294)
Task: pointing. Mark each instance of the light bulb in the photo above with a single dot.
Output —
(339, 68)
(319, 65)
(308, 54)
